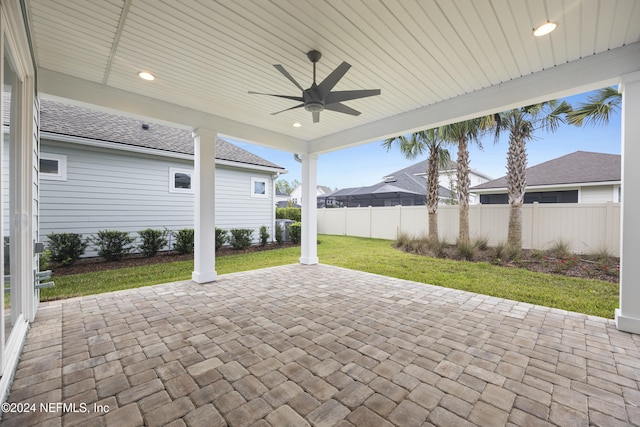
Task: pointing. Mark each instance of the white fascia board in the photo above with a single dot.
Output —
(231, 163)
(73, 90)
(150, 151)
(589, 73)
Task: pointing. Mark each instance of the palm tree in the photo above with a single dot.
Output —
(463, 133)
(419, 143)
(598, 108)
(522, 124)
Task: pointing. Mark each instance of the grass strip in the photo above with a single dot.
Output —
(376, 256)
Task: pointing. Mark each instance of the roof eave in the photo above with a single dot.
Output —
(149, 151)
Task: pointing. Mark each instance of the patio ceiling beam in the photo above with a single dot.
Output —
(75, 89)
(592, 72)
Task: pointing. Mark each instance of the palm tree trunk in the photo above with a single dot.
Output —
(463, 191)
(432, 193)
(516, 185)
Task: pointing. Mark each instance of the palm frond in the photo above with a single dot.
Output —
(598, 109)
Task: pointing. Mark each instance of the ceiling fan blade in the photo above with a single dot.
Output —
(295, 98)
(341, 108)
(287, 109)
(347, 95)
(288, 76)
(332, 79)
(316, 116)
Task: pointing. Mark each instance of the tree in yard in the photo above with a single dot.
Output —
(419, 143)
(285, 186)
(521, 123)
(598, 108)
(462, 134)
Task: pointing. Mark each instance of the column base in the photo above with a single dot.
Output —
(308, 260)
(204, 277)
(626, 323)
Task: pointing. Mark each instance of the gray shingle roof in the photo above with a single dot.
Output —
(70, 120)
(579, 167)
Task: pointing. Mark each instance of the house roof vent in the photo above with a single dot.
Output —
(390, 178)
(145, 126)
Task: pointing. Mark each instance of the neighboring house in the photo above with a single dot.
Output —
(406, 187)
(296, 195)
(103, 171)
(282, 199)
(579, 177)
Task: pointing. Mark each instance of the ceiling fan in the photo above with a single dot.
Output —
(319, 97)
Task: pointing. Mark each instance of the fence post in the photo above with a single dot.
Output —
(535, 223)
(608, 229)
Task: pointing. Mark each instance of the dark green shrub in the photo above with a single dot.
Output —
(279, 234)
(295, 232)
(44, 260)
(240, 238)
(294, 214)
(152, 241)
(221, 238)
(184, 240)
(66, 248)
(113, 245)
(264, 235)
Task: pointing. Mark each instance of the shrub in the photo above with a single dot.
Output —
(481, 243)
(221, 238)
(437, 247)
(152, 241)
(66, 248)
(466, 251)
(279, 234)
(264, 235)
(560, 249)
(113, 245)
(44, 260)
(505, 252)
(294, 214)
(184, 240)
(240, 238)
(295, 232)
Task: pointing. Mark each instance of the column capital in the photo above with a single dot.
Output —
(204, 132)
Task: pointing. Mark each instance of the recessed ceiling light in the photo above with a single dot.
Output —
(146, 76)
(544, 29)
(297, 125)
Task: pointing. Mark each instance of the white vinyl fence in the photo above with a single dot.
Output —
(588, 227)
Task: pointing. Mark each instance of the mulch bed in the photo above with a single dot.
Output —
(583, 266)
(89, 265)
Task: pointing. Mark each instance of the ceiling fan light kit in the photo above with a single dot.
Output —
(320, 97)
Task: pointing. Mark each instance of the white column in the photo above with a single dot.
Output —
(628, 315)
(309, 238)
(204, 176)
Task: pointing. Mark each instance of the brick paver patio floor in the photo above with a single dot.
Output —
(321, 346)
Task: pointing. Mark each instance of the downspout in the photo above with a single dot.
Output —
(274, 177)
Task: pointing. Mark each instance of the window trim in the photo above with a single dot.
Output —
(172, 180)
(266, 187)
(62, 167)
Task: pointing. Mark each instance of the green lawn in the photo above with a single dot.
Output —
(593, 297)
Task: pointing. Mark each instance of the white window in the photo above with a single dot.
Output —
(53, 166)
(180, 180)
(259, 187)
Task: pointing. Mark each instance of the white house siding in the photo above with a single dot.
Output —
(599, 194)
(125, 191)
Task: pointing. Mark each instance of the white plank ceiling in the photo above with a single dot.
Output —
(206, 55)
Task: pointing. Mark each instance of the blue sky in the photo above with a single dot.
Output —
(367, 164)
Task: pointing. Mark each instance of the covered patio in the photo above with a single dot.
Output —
(308, 342)
(323, 346)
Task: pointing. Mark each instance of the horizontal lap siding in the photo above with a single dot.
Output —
(108, 189)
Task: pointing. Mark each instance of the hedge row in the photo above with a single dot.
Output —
(113, 245)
